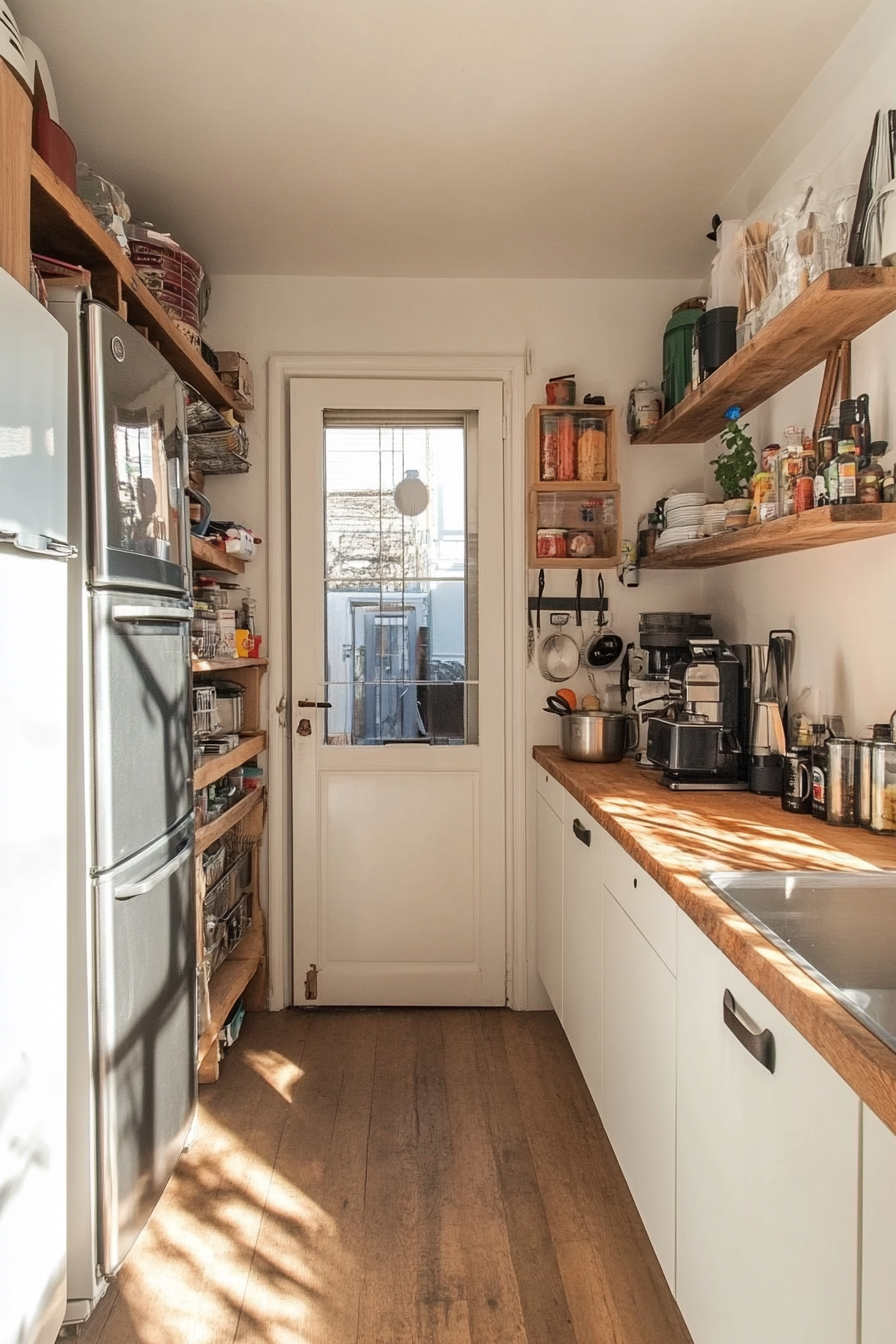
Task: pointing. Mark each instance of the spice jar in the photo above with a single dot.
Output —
(550, 543)
(566, 460)
(592, 450)
(580, 545)
(550, 448)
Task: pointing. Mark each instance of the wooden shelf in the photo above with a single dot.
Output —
(219, 766)
(836, 307)
(63, 227)
(225, 987)
(800, 532)
(213, 830)
(206, 556)
(229, 664)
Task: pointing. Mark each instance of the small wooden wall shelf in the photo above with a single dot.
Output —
(800, 532)
(219, 766)
(206, 556)
(567, 504)
(836, 307)
(63, 227)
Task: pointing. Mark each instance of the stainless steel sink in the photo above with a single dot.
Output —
(838, 927)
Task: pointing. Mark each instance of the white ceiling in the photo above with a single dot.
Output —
(580, 138)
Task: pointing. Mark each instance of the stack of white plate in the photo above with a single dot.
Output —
(684, 510)
(713, 519)
(674, 536)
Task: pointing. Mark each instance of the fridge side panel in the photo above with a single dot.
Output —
(33, 950)
(33, 381)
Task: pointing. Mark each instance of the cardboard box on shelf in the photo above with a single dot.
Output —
(234, 372)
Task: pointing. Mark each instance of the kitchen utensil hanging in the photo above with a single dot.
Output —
(604, 647)
(558, 658)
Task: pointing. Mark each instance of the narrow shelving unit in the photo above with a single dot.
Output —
(219, 766)
(213, 830)
(801, 532)
(206, 556)
(63, 227)
(836, 307)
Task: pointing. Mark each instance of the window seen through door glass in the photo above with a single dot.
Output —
(401, 611)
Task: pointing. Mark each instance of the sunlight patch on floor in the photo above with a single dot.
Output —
(279, 1072)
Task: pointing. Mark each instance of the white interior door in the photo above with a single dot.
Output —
(398, 627)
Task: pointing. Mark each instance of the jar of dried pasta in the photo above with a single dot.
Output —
(592, 458)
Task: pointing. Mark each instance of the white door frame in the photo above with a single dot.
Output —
(510, 371)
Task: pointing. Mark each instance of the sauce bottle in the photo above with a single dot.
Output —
(825, 453)
(846, 463)
(819, 764)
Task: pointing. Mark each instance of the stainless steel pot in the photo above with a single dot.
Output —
(597, 735)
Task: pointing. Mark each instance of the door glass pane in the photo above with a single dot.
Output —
(400, 586)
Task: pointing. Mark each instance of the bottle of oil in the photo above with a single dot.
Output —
(825, 453)
(847, 465)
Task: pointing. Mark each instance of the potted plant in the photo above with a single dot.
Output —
(735, 468)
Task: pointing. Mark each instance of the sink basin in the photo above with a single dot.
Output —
(840, 928)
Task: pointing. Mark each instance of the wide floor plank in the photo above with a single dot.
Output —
(394, 1176)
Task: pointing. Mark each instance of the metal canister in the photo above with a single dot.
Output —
(883, 787)
(863, 781)
(840, 794)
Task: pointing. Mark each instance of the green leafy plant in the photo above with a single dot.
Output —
(734, 469)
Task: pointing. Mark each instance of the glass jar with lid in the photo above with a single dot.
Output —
(592, 450)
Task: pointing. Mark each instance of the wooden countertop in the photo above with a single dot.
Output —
(677, 836)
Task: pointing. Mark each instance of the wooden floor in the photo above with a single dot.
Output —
(394, 1177)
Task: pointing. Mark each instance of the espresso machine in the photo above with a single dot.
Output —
(663, 637)
(699, 741)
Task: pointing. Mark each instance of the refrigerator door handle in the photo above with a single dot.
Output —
(132, 889)
(153, 615)
(56, 550)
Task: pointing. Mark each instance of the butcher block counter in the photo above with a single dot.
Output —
(676, 837)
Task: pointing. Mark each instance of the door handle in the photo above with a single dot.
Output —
(580, 832)
(131, 889)
(314, 704)
(153, 615)
(760, 1044)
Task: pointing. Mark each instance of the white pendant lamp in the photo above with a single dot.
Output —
(411, 495)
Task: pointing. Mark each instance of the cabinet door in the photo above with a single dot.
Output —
(638, 1091)
(878, 1231)
(767, 1168)
(549, 901)
(583, 941)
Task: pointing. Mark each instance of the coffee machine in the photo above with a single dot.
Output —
(663, 637)
(700, 739)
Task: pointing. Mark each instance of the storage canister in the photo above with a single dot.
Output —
(840, 793)
(550, 543)
(863, 782)
(883, 787)
(592, 450)
(566, 464)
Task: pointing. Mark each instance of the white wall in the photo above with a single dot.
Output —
(839, 599)
(609, 333)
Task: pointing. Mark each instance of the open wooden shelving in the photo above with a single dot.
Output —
(63, 227)
(800, 532)
(213, 830)
(227, 664)
(219, 766)
(206, 556)
(836, 307)
(225, 987)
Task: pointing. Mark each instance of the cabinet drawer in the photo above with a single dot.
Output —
(650, 909)
(552, 792)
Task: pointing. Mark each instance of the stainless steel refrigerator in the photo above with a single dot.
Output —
(33, 672)
(132, 926)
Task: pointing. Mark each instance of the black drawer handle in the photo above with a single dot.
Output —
(760, 1044)
(579, 832)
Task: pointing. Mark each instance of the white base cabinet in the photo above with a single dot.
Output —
(549, 887)
(638, 1099)
(878, 1231)
(583, 839)
(768, 1167)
